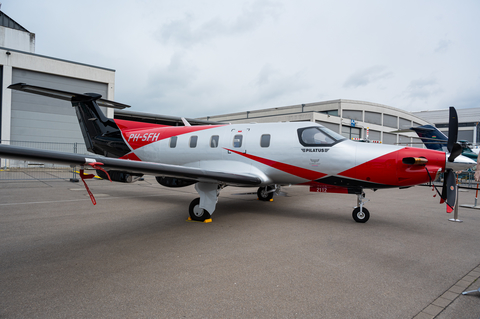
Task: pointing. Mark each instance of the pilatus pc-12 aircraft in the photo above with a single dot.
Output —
(266, 156)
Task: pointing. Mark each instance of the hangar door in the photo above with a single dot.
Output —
(41, 119)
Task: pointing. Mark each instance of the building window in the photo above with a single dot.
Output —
(214, 141)
(173, 142)
(237, 140)
(373, 117)
(404, 123)
(350, 132)
(390, 121)
(265, 140)
(193, 141)
(389, 138)
(353, 115)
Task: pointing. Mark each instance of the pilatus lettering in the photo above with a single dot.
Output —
(315, 150)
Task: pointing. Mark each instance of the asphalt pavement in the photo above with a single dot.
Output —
(135, 255)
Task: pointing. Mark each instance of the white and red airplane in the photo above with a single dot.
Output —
(266, 156)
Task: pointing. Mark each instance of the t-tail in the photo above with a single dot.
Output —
(101, 134)
(431, 137)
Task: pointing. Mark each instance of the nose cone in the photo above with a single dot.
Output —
(460, 163)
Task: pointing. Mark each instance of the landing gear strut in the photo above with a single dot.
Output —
(360, 214)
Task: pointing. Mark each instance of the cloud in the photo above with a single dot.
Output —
(272, 84)
(367, 76)
(443, 46)
(464, 98)
(176, 76)
(186, 33)
(422, 89)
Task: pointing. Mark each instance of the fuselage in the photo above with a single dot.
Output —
(282, 153)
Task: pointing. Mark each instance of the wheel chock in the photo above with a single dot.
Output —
(197, 221)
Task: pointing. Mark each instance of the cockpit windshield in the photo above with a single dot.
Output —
(318, 136)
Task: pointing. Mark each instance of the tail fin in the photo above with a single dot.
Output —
(431, 137)
(101, 134)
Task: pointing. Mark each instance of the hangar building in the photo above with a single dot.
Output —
(350, 118)
(29, 118)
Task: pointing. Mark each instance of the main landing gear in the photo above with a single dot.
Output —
(360, 214)
(196, 213)
(202, 208)
(266, 193)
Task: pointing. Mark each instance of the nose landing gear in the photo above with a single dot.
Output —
(360, 214)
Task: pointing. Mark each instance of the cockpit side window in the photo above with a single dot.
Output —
(318, 136)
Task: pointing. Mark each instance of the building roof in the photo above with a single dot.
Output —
(441, 116)
(6, 21)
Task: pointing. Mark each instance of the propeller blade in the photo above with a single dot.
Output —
(449, 190)
(456, 150)
(452, 128)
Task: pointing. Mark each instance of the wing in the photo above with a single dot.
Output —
(147, 168)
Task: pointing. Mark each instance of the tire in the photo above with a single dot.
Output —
(265, 193)
(197, 213)
(361, 217)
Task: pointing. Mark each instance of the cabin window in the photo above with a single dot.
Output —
(193, 141)
(265, 140)
(237, 140)
(318, 136)
(173, 142)
(214, 141)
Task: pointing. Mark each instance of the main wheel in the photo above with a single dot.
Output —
(265, 193)
(361, 217)
(197, 213)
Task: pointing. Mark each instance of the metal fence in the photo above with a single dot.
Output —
(32, 170)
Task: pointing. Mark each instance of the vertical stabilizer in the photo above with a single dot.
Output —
(101, 134)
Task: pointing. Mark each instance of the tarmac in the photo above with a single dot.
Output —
(135, 254)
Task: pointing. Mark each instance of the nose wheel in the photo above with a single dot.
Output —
(360, 214)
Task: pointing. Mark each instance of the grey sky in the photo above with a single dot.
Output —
(198, 58)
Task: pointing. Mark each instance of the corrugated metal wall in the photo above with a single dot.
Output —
(41, 119)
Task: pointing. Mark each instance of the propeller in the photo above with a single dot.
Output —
(453, 146)
(449, 189)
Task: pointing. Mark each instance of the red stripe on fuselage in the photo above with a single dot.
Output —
(389, 169)
(287, 168)
(138, 134)
(131, 156)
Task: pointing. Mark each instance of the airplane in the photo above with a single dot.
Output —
(267, 156)
(436, 140)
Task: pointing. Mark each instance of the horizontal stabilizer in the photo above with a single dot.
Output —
(63, 95)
